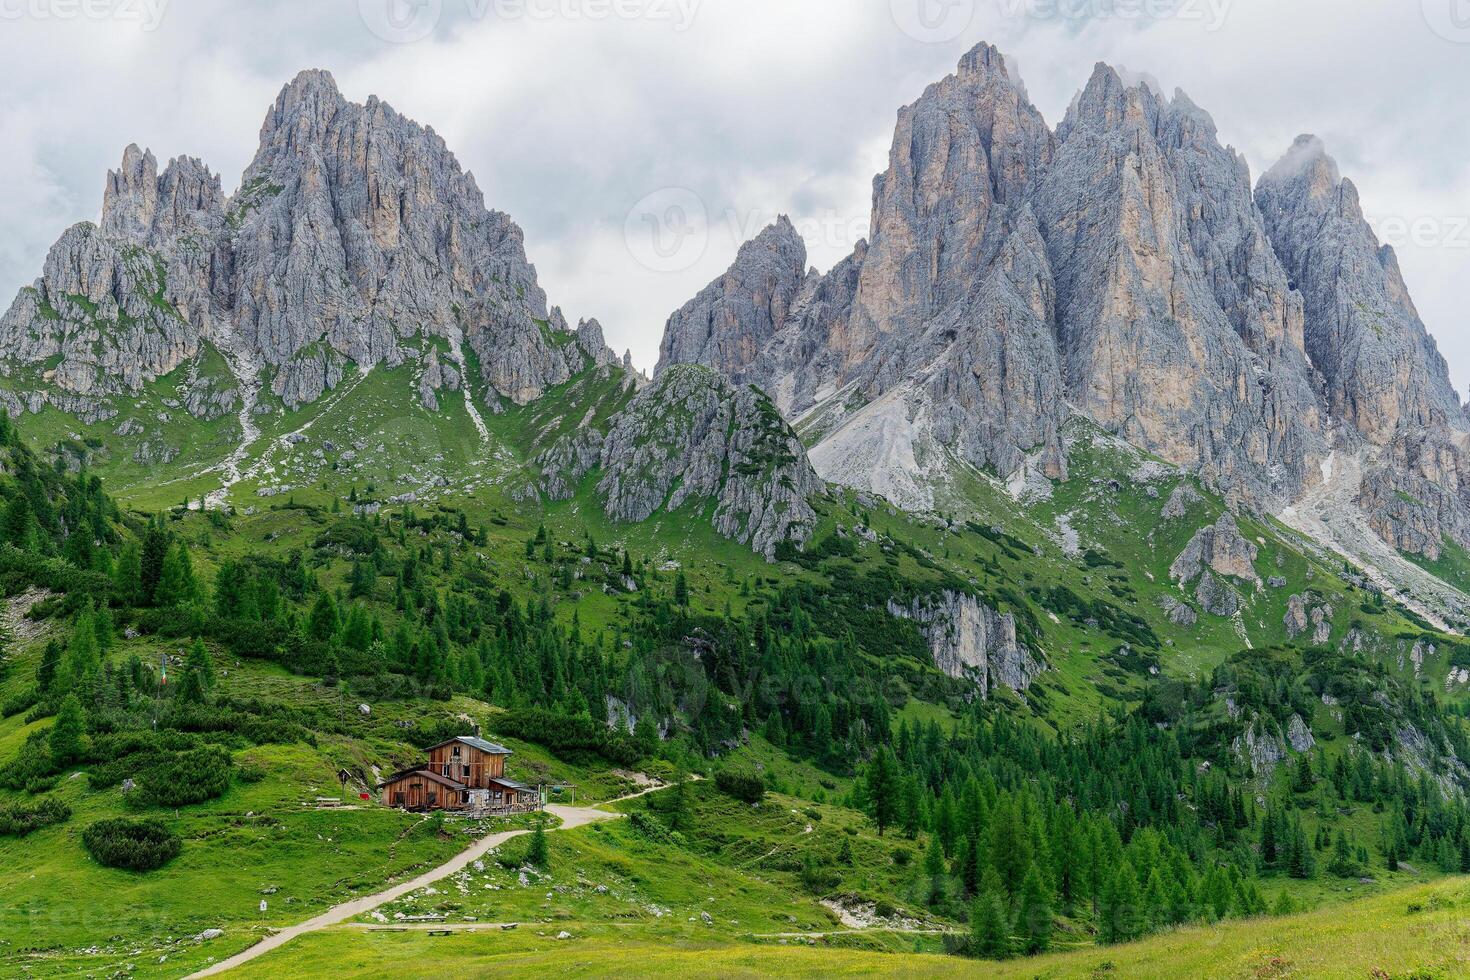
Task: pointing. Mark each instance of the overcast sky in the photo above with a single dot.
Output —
(638, 142)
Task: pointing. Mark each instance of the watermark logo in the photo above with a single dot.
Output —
(1211, 14)
(400, 21)
(147, 14)
(671, 229)
(668, 230)
(1450, 19)
(1424, 231)
(933, 21)
(408, 21)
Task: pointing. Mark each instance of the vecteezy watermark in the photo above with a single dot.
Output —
(1211, 14)
(1450, 19)
(407, 21)
(1425, 231)
(668, 230)
(933, 21)
(147, 14)
(400, 21)
(671, 229)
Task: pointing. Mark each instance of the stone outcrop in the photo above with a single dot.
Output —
(731, 320)
(1308, 613)
(1259, 747)
(1216, 597)
(1381, 371)
(1299, 736)
(972, 641)
(1221, 548)
(689, 438)
(1181, 499)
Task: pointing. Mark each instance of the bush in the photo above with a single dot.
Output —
(572, 738)
(134, 845)
(22, 700)
(183, 779)
(19, 819)
(743, 784)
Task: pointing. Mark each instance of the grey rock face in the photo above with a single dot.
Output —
(98, 318)
(730, 321)
(1220, 548)
(1119, 264)
(1175, 322)
(1381, 371)
(972, 641)
(1308, 612)
(1180, 613)
(1381, 368)
(692, 436)
(1216, 597)
(1259, 747)
(1299, 736)
(933, 339)
(436, 377)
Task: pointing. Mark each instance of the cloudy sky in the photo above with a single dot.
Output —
(638, 142)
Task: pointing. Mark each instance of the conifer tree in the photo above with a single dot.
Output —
(1035, 916)
(65, 742)
(990, 932)
(324, 622)
(881, 786)
(197, 678)
(538, 853)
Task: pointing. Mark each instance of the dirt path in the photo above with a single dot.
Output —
(571, 817)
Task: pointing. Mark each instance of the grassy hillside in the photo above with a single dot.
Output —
(1417, 932)
(1154, 777)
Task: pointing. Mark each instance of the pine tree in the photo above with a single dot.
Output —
(324, 622)
(155, 549)
(1300, 862)
(538, 854)
(881, 786)
(990, 933)
(1343, 865)
(681, 589)
(50, 664)
(127, 576)
(177, 585)
(1118, 914)
(197, 679)
(66, 739)
(83, 658)
(910, 806)
(1035, 917)
(1268, 838)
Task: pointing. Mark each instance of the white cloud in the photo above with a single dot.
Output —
(759, 107)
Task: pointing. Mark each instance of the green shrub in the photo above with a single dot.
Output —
(20, 819)
(134, 845)
(183, 779)
(572, 738)
(743, 784)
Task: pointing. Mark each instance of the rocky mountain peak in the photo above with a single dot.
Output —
(1306, 167)
(731, 320)
(353, 230)
(1383, 371)
(982, 62)
(130, 196)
